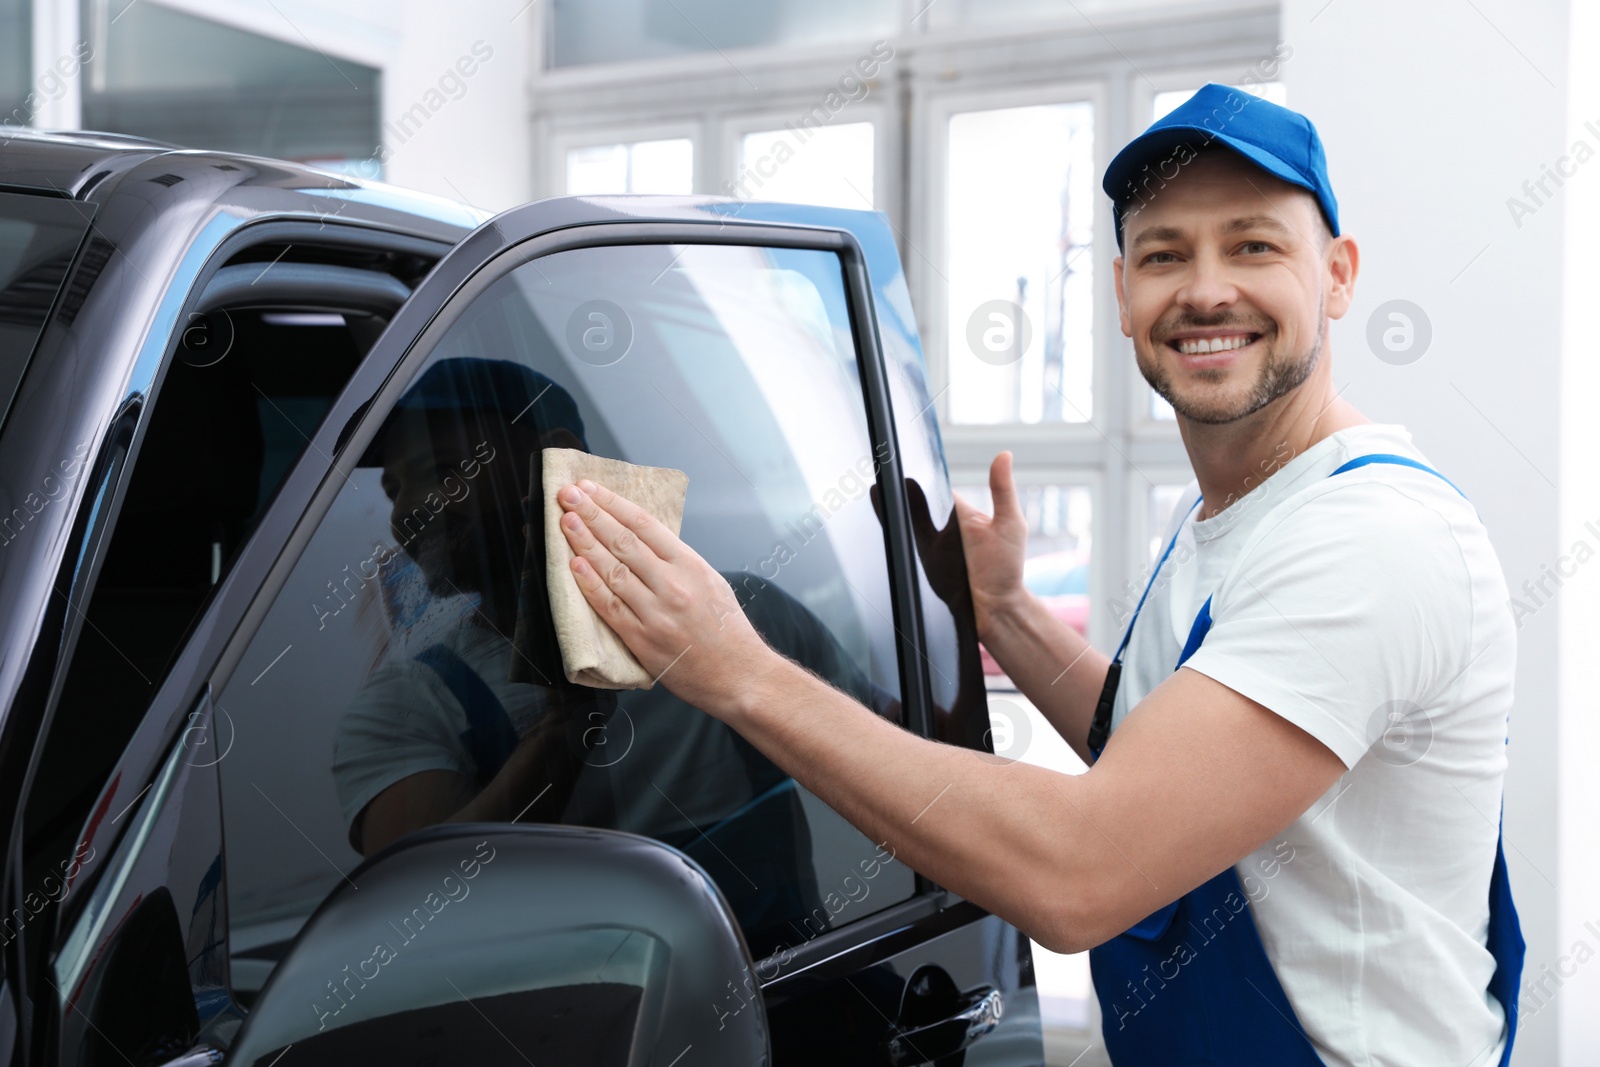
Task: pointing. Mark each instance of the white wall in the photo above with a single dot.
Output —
(1579, 916)
(1433, 113)
(477, 142)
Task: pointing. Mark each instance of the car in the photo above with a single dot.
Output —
(291, 768)
(1061, 580)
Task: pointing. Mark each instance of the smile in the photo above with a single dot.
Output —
(1201, 346)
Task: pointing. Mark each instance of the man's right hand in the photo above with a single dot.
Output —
(995, 546)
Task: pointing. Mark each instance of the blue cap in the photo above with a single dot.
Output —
(1281, 142)
(495, 388)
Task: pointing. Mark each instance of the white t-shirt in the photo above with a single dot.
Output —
(1371, 611)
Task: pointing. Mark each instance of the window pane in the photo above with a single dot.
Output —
(1163, 103)
(1019, 225)
(665, 166)
(165, 74)
(406, 675)
(1057, 567)
(610, 31)
(829, 165)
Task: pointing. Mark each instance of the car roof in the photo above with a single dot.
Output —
(74, 163)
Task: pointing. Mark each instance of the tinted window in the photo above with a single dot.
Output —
(405, 674)
(242, 394)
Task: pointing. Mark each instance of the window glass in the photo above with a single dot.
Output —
(244, 390)
(1060, 521)
(1021, 189)
(610, 31)
(665, 166)
(405, 675)
(175, 77)
(826, 165)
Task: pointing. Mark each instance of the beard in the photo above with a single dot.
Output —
(1279, 375)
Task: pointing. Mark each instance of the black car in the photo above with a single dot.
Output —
(290, 767)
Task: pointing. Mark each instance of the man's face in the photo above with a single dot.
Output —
(441, 499)
(1225, 288)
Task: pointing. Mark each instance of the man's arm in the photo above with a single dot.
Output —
(1051, 663)
(1195, 779)
(538, 772)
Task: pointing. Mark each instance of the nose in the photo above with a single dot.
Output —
(1206, 286)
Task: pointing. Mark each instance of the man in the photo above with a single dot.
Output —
(452, 729)
(1287, 851)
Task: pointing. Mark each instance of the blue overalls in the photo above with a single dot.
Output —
(1191, 983)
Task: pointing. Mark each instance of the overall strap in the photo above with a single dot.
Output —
(1100, 724)
(1127, 634)
(1398, 461)
(489, 737)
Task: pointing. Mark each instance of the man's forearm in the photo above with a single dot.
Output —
(961, 818)
(1053, 665)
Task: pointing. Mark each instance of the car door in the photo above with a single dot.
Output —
(389, 664)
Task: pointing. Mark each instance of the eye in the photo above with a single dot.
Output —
(1256, 248)
(1159, 259)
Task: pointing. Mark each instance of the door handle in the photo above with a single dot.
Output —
(959, 1019)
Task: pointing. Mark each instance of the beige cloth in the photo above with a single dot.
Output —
(591, 652)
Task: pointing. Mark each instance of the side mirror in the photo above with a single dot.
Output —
(499, 944)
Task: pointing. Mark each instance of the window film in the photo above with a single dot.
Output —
(404, 676)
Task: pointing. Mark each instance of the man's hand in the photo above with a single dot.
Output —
(995, 546)
(670, 607)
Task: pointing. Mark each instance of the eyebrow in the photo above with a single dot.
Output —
(1256, 222)
(1159, 234)
(1155, 234)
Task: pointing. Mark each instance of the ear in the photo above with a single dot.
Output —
(1343, 264)
(1123, 318)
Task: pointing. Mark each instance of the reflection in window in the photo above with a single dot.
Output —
(407, 673)
(1021, 189)
(665, 167)
(830, 166)
(174, 77)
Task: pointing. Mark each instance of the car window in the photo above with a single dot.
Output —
(406, 673)
(238, 402)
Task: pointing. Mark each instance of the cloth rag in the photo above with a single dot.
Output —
(591, 652)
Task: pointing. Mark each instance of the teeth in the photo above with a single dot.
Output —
(1199, 346)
